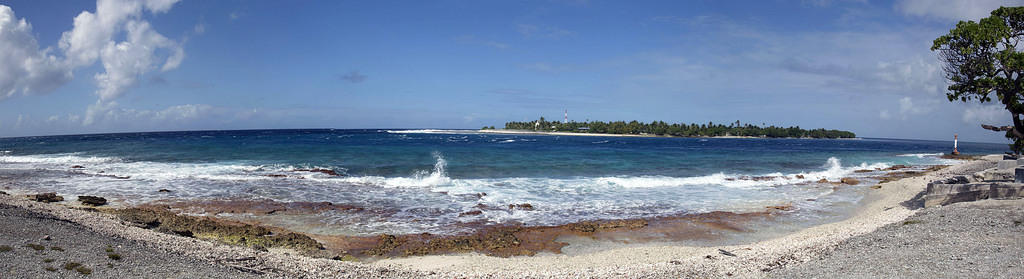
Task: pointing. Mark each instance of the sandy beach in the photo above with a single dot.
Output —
(809, 253)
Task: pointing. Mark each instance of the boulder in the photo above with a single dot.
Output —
(163, 191)
(823, 180)
(92, 200)
(850, 181)
(77, 167)
(799, 176)
(471, 213)
(46, 197)
(522, 206)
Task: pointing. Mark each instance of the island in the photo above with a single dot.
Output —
(661, 128)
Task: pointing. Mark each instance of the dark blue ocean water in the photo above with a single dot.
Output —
(420, 180)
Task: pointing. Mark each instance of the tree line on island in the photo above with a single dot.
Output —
(660, 128)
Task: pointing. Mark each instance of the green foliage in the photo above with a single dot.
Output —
(5, 248)
(114, 256)
(982, 58)
(36, 247)
(660, 128)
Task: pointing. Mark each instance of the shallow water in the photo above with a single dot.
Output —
(413, 181)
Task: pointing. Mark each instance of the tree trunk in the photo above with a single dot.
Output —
(1018, 126)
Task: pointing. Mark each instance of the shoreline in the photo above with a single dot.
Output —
(878, 208)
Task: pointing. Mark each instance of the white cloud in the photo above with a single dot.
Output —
(986, 114)
(126, 61)
(953, 9)
(884, 114)
(907, 106)
(109, 113)
(24, 68)
(92, 38)
(199, 28)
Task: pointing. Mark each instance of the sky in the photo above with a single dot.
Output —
(73, 67)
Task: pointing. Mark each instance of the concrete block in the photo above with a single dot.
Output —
(1018, 175)
(1020, 162)
(943, 194)
(1006, 164)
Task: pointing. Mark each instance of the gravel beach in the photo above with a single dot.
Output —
(978, 239)
(63, 242)
(982, 239)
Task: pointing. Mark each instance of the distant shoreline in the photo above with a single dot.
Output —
(527, 132)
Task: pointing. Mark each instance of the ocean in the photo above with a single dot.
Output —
(416, 181)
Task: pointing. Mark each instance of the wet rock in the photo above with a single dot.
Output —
(92, 200)
(799, 176)
(276, 175)
(784, 207)
(593, 226)
(385, 245)
(849, 181)
(823, 180)
(163, 191)
(521, 206)
(46, 197)
(323, 171)
(77, 167)
(862, 171)
(898, 167)
(4, 193)
(471, 213)
(258, 237)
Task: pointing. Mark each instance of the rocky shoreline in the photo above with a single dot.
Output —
(260, 250)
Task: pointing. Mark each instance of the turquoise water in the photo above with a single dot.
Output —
(415, 181)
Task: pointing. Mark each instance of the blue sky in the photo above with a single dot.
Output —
(154, 65)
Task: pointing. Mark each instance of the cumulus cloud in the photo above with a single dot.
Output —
(353, 77)
(24, 68)
(92, 38)
(953, 9)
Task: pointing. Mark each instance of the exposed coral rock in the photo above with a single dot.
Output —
(46, 197)
(92, 200)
